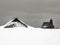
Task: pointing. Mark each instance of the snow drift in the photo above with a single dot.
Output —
(28, 36)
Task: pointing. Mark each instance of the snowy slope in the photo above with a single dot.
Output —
(29, 36)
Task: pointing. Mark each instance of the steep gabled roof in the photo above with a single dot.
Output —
(46, 24)
(15, 22)
(19, 21)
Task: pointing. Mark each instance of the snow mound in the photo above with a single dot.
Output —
(29, 36)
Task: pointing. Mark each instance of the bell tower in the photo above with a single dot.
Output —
(51, 21)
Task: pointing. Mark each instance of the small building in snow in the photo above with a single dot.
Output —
(48, 24)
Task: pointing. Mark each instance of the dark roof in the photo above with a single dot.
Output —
(48, 25)
(17, 20)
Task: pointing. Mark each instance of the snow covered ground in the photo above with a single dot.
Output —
(29, 36)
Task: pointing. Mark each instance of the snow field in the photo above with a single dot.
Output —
(29, 36)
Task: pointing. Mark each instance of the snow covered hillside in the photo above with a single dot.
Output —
(29, 36)
(16, 32)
